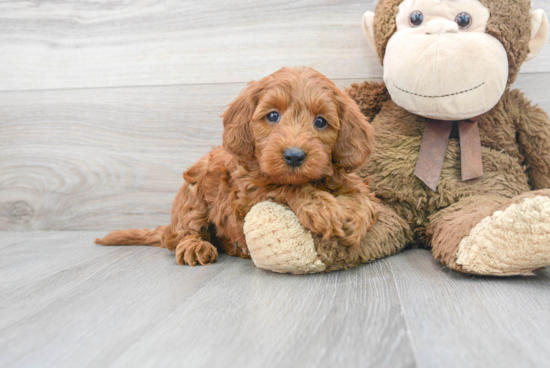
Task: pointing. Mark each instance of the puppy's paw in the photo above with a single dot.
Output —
(353, 234)
(191, 251)
(360, 216)
(323, 222)
(322, 215)
(278, 242)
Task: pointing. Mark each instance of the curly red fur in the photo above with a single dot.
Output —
(250, 168)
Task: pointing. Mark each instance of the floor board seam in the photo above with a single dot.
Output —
(169, 85)
(369, 78)
(401, 306)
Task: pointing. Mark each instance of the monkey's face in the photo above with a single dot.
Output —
(441, 64)
(453, 59)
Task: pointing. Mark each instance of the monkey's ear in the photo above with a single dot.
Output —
(539, 33)
(356, 136)
(237, 137)
(368, 29)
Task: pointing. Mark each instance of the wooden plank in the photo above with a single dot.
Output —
(43, 254)
(76, 44)
(113, 158)
(66, 153)
(132, 306)
(458, 320)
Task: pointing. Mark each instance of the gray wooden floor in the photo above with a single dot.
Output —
(65, 302)
(103, 105)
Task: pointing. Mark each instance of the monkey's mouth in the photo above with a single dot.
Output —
(441, 96)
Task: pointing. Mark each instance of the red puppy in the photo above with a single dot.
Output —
(292, 137)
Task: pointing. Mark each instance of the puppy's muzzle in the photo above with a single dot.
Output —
(294, 157)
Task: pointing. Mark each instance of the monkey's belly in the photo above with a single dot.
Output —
(391, 174)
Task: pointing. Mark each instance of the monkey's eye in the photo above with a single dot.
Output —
(273, 117)
(320, 123)
(464, 20)
(416, 19)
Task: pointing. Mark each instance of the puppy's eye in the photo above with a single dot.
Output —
(320, 123)
(273, 117)
(464, 20)
(416, 19)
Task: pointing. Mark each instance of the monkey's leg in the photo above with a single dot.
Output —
(491, 235)
(278, 242)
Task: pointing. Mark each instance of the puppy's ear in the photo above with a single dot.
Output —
(237, 138)
(356, 137)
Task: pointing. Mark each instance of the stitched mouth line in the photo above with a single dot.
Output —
(449, 95)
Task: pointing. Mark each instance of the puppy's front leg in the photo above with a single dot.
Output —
(360, 213)
(188, 230)
(319, 212)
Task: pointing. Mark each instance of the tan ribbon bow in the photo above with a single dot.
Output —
(434, 145)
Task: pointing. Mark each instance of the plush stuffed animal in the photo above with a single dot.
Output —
(461, 162)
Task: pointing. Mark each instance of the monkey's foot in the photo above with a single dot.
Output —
(278, 242)
(515, 241)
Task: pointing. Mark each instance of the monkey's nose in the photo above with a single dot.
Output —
(294, 157)
(441, 26)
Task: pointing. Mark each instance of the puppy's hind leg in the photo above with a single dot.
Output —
(188, 232)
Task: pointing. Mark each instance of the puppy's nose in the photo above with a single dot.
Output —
(294, 157)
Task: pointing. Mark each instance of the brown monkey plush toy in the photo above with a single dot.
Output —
(461, 162)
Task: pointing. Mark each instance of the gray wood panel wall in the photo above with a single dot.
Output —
(104, 104)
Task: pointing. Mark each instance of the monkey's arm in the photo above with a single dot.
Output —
(370, 96)
(533, 126)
